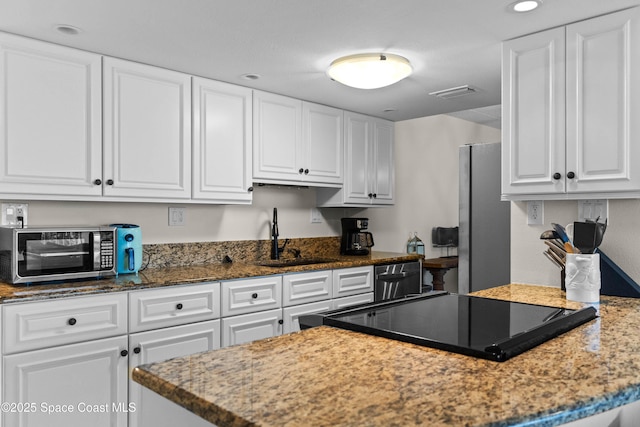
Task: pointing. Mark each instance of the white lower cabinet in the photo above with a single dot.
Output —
(75, 385)
(352, 300)
(291, 315)
(352, 281)
(251, 327)
(152, 409)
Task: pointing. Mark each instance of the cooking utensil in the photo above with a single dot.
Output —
(549, 234)
(584, 236)
(547, 253)
(562, 233)
(600, 229)
(556, 250)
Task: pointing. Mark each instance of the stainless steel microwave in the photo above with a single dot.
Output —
(56, 253)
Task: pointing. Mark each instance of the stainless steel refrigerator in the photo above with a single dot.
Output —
(484, 247)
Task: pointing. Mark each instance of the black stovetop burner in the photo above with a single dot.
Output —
(481, 327)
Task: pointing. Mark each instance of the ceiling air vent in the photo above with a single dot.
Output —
(454, 92)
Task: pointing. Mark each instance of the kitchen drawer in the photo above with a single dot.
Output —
(172, 306)
(251, 327)
(251, 295)
(352, 281)
(291, 315)
(35, 325)
(352, 300)
(303, 288)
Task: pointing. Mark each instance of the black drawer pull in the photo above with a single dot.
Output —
(72, 321)
(179, 306)
(124, 353)
(254, 295)
(136, 350)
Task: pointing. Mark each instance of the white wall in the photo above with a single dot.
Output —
(426, 151)
(621, 241)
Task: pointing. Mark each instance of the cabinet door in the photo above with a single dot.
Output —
(291, 315)
(90, 378)
(147, 131)
(155, 346)
(251, 327)
(50, 116)
(533, 114)
(339, 303)
(277, 137)
(352, 281)
(323, 143)
(603, 103)
(383, 175)
(222, 141)
(358, 136)
(249, 295)
(300, 288)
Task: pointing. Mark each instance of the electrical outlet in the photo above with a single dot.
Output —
(593, 210)
(535, 212)
(316, 216)
(15, 214)
(177, 216)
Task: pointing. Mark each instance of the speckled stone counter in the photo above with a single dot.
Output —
(331, 377)
(187, 274)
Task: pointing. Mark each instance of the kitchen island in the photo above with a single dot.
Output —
(327, 377)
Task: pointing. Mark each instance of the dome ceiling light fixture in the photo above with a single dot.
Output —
(522, 6)
(370, 70)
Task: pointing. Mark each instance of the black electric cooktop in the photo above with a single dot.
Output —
(481, 327)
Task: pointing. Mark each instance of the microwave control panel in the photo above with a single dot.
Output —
(107, 251)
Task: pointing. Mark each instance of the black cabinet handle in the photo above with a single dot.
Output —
(557, 176)
(280, 321)
(306, 171)
(109, 182)
(72, 321)
(375, 195)
(254, 295)
(98, 182)
(300, 170)
(124, 353)
(250, 189)
(136, 350)
(571, 175)
(370, 195)
(179, 306)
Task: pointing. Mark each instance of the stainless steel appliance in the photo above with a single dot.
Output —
(56, 253)
(484, 236)
(397, 280)
(355, 240)
(480, 327)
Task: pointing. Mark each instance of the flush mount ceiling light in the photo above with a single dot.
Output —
(525, 5)
(369, 70)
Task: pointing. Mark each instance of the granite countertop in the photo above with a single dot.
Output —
(168, 276)
(330, 377)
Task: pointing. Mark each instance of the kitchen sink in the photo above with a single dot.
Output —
(296, 261)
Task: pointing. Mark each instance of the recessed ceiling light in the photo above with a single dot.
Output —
(369, 70)
(69, 30)
(525, 5)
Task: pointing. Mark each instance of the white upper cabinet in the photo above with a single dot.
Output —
(147, 131)
(50, 116)
(296, 141)
(569, 108)
(222, 142)
(369, 164)
(322, 142)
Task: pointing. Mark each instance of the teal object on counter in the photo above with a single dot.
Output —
(128, 248)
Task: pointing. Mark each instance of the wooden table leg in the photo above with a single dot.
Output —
(438, 278)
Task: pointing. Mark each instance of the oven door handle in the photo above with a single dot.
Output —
(394, 277)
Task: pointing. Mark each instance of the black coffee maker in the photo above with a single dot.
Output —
(355, 240)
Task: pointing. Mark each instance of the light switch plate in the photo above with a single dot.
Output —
(11, 212)
(177, 216)
(595, 209)
(535, 212)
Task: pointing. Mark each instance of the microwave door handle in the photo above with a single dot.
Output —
(393, 277)
(55, 254)
(96, 250)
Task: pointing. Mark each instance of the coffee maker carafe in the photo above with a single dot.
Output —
(355, 240)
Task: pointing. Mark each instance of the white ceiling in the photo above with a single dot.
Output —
(290, 43)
